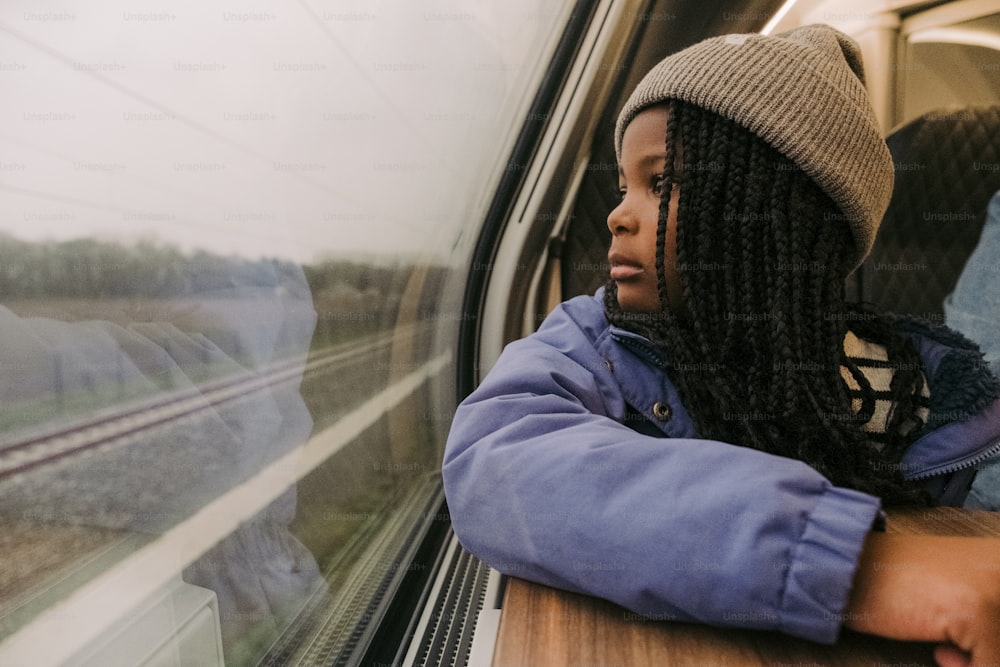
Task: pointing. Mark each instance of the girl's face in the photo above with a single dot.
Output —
(633, 222)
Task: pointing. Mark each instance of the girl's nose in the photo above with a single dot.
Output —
(621, 219)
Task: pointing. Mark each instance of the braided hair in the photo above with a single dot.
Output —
(763, 254)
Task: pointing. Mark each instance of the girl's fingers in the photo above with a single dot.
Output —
(947, 655)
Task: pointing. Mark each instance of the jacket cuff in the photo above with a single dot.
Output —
(815, 595)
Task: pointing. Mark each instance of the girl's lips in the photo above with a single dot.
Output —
(625, 271)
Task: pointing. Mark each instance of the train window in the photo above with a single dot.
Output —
(950, 57)
(233, 244)
(559, 247)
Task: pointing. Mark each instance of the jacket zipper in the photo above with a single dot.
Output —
(992, 450)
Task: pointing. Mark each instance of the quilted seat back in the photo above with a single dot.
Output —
(947, 166)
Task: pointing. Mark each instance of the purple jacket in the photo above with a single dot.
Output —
(547, 480)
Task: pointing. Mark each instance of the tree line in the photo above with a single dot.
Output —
(351, 297)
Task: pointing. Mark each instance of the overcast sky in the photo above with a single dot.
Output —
(288, 129)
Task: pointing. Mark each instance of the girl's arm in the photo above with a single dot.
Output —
(930, 588)
(545, 484)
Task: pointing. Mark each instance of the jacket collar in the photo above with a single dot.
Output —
(964, 424)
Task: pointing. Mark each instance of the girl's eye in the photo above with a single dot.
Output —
(658, 183)
(621, 194)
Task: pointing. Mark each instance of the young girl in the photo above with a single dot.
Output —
(711, 437)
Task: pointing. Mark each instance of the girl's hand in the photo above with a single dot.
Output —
(930, 588)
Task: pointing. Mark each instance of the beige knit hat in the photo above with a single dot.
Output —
(803, 92)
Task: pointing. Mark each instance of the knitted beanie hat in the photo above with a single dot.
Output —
(803, 92)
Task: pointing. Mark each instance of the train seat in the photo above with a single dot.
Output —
(947, 166)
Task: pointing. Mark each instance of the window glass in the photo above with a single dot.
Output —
(233, 241)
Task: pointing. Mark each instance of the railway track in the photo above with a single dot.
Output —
(127, 424)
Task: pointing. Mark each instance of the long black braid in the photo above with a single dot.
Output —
(762, 253)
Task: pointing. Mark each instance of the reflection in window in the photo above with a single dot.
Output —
(233, 240)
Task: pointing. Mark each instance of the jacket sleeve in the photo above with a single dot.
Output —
(985, 491)
(972, 309)
(973, 306)
(543, 484)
